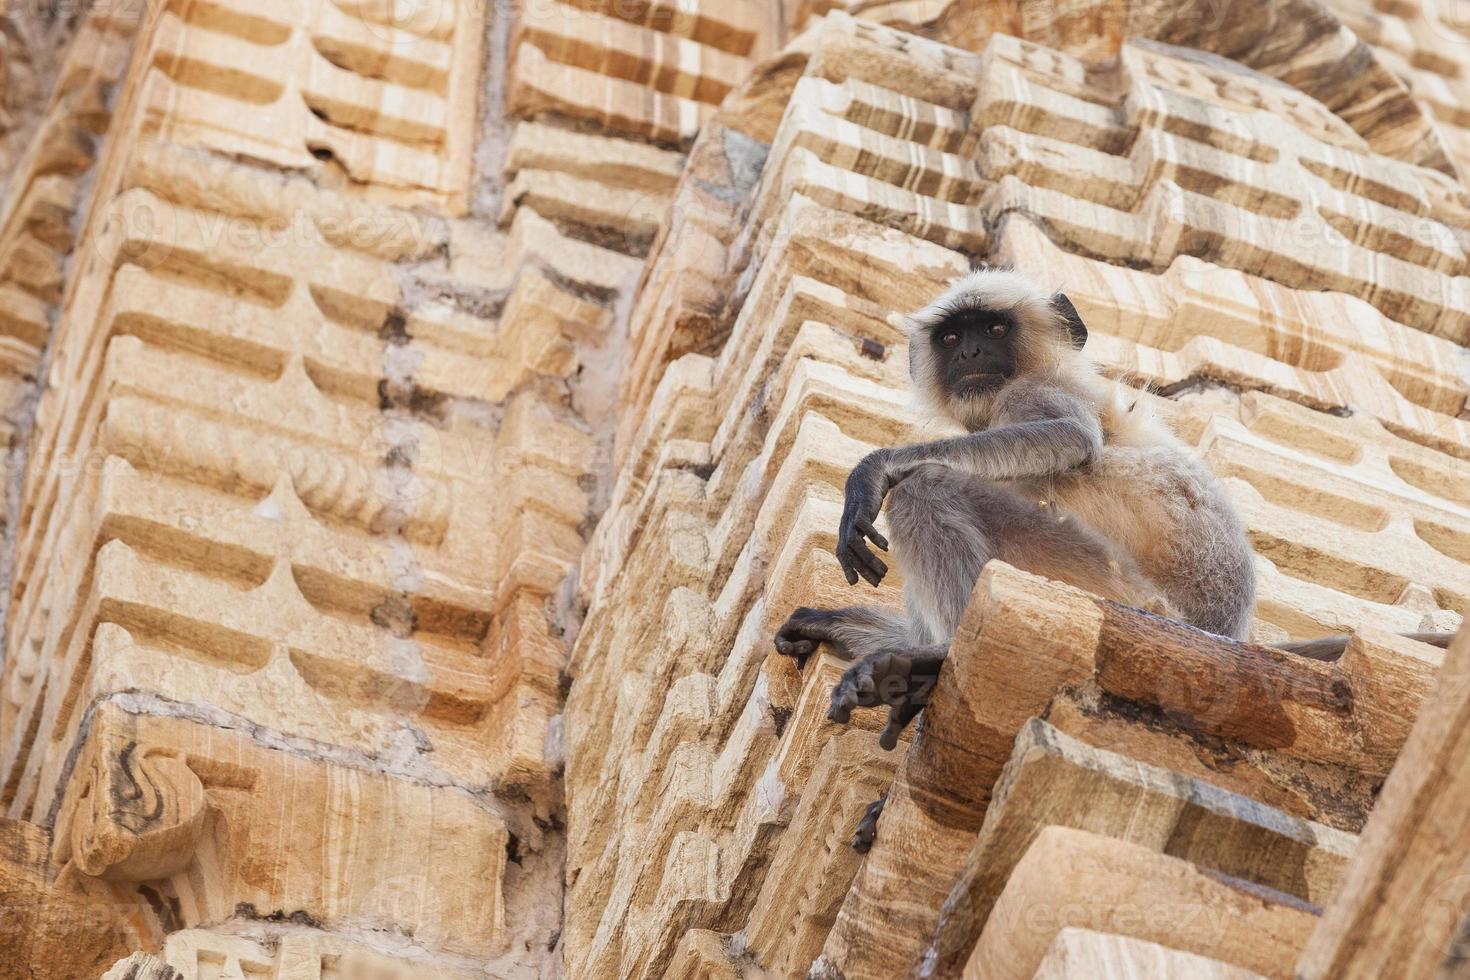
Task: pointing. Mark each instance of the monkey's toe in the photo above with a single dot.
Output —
(898, 718)
(844, 700)
(801, 634)
(867, 828)
(794, 648)
(858, 687)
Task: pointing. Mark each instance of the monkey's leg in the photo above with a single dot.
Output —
(946, 525)
(855, 631)
(867, 827)
(902, 680)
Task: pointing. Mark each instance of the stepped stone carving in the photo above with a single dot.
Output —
(1124, 889)
(1053, 780)
(766, 358)
(1421, 43)
(418, 418)
(351, 91)
(46, 179)
(1305, 44)
(1401, 906)
(1087, 953)
(310, 463)
(34, 40)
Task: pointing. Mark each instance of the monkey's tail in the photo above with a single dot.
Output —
(1331, 647)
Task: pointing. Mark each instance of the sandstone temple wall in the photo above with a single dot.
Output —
(420, 416)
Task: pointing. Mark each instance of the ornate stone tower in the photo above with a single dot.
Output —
(420, 416)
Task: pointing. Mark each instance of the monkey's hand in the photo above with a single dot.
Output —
(867, 485)
(900, 679)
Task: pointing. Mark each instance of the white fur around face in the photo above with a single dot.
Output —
(1040, 346)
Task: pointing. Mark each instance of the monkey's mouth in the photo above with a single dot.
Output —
(973, 381)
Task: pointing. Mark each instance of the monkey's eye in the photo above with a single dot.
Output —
(999, 329)
(950, 338)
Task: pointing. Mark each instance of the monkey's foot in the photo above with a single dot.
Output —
(802, 632)
(867, 827)
(900, 679)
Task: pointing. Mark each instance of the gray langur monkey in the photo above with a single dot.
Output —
(1058, 474)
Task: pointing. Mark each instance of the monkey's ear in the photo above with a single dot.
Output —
(1071, 320)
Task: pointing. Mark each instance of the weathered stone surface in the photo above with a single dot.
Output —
(45, 179)
(1198, 323)
(180, 797)
(1401, 910)
(141, 966)
(307, 472)
(440, 405)
(1053, 780)
(1422, 44)
(58, 923)
(290, 953)
(317, 492)
(1300, 43)
(1071, 878)
(765, 363)
(1079, 954)
(1023, 641)
(355, 94)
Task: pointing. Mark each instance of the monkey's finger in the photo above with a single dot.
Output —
(844, 557)
(842, 703)
(867, 528)
(841, 710)
(869, 575)
(869, 565)
(851, 563)
(853, 691)
(898, 718)
(878, 569)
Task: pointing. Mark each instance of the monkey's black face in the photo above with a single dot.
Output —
(974, 351)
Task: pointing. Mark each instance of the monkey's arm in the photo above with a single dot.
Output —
(1040, 447)
(1045, 436)
(1042, 432)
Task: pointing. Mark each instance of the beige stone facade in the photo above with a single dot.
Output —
(419, 416)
